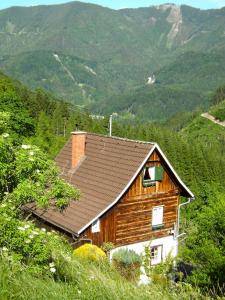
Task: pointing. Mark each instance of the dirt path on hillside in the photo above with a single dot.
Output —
(211, 118)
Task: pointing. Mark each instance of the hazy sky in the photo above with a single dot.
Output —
(116, 4)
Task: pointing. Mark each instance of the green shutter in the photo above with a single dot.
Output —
(159, 173)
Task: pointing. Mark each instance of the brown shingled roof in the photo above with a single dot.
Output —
(102, 176)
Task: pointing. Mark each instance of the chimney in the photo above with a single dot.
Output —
(78, 147)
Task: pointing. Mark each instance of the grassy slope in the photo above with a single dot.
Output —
(86, 281)
(218, 111)
(208, 134)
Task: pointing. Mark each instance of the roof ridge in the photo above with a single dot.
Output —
(121, 138)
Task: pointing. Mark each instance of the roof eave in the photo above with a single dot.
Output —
(155, 147)
(51, 222)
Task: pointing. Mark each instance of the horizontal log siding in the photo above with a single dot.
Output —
(134, 212)
(107, 230)
(130, 220)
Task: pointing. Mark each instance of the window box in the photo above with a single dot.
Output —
(157, 227)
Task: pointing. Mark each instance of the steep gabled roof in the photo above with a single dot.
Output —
(107, 170)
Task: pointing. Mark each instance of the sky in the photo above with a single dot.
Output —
(118, 4)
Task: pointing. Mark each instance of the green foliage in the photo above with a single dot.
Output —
(90, 252)
(95, 62)
(127, 257)
(128, 263)
(205, 245)
(23, 242)
(81, 281)
(218, 111)
(219, 95)
(26, 174)
(153, 103)
(160, 273)
(107, 247)
(29, 176)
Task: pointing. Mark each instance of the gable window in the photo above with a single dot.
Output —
(157, 217)
(156, 255)
(151, 175)
(95, 226)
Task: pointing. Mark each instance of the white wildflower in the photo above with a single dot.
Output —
(25, 147)
(4, 249)
(27, 241)
(67, 257)
(31, 153)
(38, 171)
(53, 270)
(35, 233)
(6, 193)
(26, 226)
(51, 265)
(21, 228)
(31, 236)
(5, 135)
(43, 229)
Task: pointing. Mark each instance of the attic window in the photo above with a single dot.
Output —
(151, 175)
(95, 226)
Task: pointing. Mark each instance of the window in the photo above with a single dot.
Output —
(156, 255)
(95, 226)
(151, 175)
(157, 217)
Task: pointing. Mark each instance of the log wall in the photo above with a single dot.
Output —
(129, 221)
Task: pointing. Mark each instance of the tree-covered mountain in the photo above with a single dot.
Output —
(195, 147)
(183, 85)
(91, 55)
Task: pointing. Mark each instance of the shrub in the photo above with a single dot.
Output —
(128, 263)
(90, 252)
(128, 257)
(107, 247)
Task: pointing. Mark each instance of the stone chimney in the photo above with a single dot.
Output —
(78, 147)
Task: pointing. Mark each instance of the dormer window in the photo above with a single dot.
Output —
(151, 175)
(95, 226)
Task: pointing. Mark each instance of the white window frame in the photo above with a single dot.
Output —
(158, 258)
(95, 226)
(149, 182)
(157, 216)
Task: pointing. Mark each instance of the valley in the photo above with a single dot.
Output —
(90, 54)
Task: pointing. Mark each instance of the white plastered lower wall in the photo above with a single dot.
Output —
(168, 243)
(169, 247)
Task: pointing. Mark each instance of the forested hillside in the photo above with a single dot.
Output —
(92, 55)
(195, 147)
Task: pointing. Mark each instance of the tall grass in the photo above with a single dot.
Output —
(82, 280)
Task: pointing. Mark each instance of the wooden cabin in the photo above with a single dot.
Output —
(129, 194)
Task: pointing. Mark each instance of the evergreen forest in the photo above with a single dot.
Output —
(35, 264)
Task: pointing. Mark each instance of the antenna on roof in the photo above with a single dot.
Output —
(110, 125)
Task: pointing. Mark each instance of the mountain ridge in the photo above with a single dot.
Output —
(123, 47)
